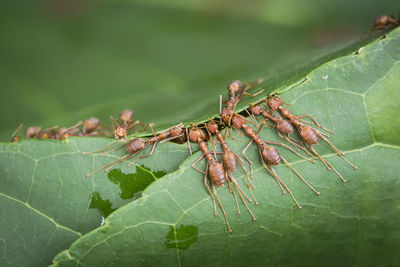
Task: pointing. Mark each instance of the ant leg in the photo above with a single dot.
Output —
(340, 153)
(266, 123)
(197, 161)
(288, 140)
(114, 149)
(298, 174)
(315, 121)
(240, 191)
(324, 161)
(145, 156)
(327, 164)
(144, 126)
(188, 141)
(230, 135)
(110, 145)
(259, 129)
(289, 148)
(108, 164)
(299, 146)
(247, 178)
(248, 160)
(272, 174)
(287, 189)
(244, 171)
(233, 192)
(206, 183)
(123, 160)
(152, 130)
(171, 138)
(253, 118)
(253, 95)
(222, 208)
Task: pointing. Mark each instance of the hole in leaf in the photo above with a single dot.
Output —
(132, 184)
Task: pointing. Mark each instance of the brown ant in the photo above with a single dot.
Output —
(136, 145)
(15, 136)
(269, 155)
(308, 134)
(121, 130)
(216, 173)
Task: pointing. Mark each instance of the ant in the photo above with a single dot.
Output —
(121, 130)
(15, 136)
(268, 154)
(308, 134)
(136, 145)
(215, 171)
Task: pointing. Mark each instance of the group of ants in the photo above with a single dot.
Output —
(217, 173)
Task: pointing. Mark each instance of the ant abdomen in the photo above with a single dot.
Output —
(271, 155)
(136, 145)
(90, 125)
(217, 174)
(229, 161)
(126, 115)
(32, 132)
(309, 136)
(284, 127)
(234, 87)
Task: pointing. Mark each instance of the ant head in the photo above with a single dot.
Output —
(91, 124)
(234, 87)
(176, 131)
(195, 134)
(120, 131)
(256, 110)
(33, 132)
(126, 115)
(238, 121)
(212, 126)
(274, 102)
(226, 115)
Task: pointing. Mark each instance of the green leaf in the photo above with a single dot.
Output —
(46, 201)
(351, 224)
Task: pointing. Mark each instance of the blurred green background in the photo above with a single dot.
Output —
(66, 60)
